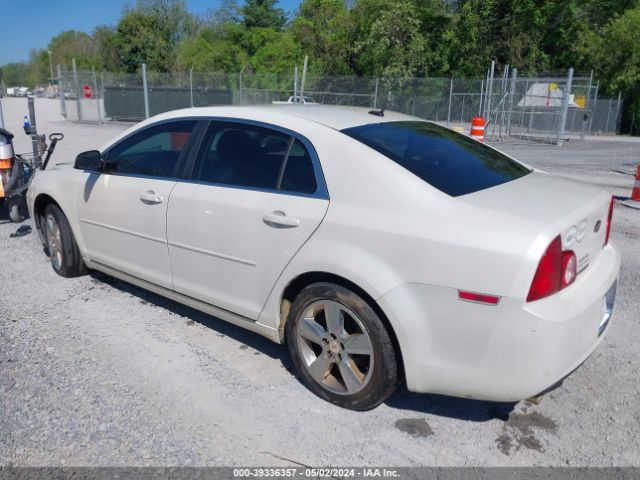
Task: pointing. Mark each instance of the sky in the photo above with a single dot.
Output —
(31, 24)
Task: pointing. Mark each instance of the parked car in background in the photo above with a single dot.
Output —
(296, 99)
(379, 247)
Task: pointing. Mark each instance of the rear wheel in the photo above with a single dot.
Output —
(340, 347)
(61, 244)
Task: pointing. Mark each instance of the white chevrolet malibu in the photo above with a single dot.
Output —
(379, 247)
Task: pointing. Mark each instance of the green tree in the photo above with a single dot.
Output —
(620, 66)
(72, 44)
(321, 30)
(227, 12)
(278, 55)
(151, 32)
(16, 74)
(263, 14)
(392, 45)
(208, 52)
(138, 39)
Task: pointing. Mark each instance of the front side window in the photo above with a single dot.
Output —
(252, 156)
(453, 163)
(154, 151)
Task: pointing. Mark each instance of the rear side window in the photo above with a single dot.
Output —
(453, 163)
(153, 151)
(252, 156)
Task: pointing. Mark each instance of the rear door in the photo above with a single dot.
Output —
(256, 195)
(123, 210)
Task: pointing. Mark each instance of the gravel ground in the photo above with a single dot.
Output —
(94, 371)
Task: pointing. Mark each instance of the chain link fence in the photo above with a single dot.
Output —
(548, 109)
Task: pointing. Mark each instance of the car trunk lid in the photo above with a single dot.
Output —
(579, 211)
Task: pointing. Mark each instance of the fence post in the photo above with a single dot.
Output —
(295, 83)
(489, 96)
(191, 85)
(76, 86)
(512, 91)
(450, 96)
(304, 78)
(102, 93)
(241, 86)
(481, 98)
(595, 105)
(63, 106)
(565, 108)
(375, 93)
(618, 112)
(145, 91)
(97, 95)
(586, 107)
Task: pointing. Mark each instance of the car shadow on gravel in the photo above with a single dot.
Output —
(221, 327)
(459, 408)
(451, 407)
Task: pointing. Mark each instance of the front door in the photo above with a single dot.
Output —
(123, 210)
(256, 196)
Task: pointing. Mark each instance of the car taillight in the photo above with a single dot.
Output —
(609, 218)
(556, 270)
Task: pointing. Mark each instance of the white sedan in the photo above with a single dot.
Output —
(379, 247)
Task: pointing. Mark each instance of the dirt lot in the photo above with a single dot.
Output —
(94, 371)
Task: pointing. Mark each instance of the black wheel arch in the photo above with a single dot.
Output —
(39, 206)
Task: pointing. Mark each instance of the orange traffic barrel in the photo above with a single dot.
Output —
(634, 202)
(477, 128)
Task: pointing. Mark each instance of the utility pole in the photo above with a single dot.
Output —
(63, 106)
(50, 64)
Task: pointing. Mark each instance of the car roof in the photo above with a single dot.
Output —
(336, 117)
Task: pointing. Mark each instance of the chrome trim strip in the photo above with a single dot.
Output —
(122, 230)
(609, 299)
(251, 263)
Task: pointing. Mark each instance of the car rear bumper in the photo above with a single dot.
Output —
(507, 352)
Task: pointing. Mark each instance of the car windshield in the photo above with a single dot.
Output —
(453, 163)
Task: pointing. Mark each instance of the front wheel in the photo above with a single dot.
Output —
(340, 347)
(61, 244)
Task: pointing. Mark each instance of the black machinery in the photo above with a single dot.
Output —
(16, 170)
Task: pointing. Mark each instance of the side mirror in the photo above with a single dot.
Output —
(91, 161)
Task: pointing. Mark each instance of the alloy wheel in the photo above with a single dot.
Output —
(335, 347)
(54, 241)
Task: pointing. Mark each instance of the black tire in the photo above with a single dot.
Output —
(66, 260)
(381, 377)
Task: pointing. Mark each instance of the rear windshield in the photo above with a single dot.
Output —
(453, 163)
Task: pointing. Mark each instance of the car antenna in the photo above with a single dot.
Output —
(377, 113)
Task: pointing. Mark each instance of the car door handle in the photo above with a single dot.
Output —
(150, 197)
(279, 219)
